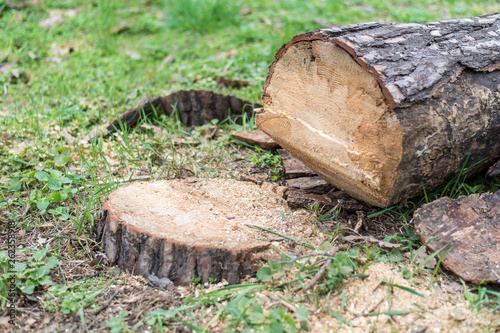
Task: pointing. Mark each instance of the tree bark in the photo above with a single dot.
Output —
(193, 107)
(469, 228)
(180, 229)
(383, 110)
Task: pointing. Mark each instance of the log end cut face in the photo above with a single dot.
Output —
(329, 112)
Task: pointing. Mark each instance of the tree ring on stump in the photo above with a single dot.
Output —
(193, 227)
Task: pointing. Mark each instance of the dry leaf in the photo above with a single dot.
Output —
(119, 29)
(46, 225)
(246, 11)
(134, 55)
(6, 137)
(5, 66)
(55, 18)
(236, 83)
(265, 19)
(229, 54)
(168, 59)
(421, 255)
(18, 17)
(143, 100)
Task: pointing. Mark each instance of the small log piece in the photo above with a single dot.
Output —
(179, 229)
(382, 110)
(470, 226)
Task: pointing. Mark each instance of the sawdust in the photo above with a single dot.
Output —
(444, 308)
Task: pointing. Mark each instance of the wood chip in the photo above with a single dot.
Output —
(470, 226)
(256, 137)
(293, 167)
(314, 184)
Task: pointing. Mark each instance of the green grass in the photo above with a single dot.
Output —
(59, 82)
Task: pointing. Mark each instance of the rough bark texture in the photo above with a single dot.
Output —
(198, 107)
(194, 107)
(180, 229)
(470, 226)
(411, 59)
(381, 109)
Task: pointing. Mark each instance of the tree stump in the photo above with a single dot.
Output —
(381, 110)
(193, 227)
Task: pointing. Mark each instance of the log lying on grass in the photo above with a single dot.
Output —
(179, 229)
(382, 110)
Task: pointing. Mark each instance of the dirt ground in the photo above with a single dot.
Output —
(443, 307)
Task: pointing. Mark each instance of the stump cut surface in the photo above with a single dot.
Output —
(191, 227)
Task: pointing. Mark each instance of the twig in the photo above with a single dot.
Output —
(251, 179)
(492, 270)
(323, 268)
(96, 312)
(92, 276)
(291, 261)
(372, 239)
(377, 305)
(283, 302)
(140, 178)
(102, 182)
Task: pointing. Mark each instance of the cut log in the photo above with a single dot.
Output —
(382, 110)
(470, 226)
(180, 229)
